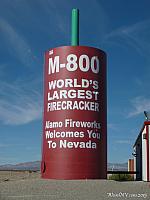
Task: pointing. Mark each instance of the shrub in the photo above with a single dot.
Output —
(121, 177)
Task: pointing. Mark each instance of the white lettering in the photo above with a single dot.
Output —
(53, 66)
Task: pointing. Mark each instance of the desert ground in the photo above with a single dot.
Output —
(29, 186)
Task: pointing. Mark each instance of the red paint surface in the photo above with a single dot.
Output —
(76, 163)
(131, 166)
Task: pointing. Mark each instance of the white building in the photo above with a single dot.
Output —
(142, 153)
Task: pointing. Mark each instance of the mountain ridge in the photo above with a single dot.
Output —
(35, 165)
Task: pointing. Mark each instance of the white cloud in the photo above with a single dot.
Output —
(135, 35)
(5, 160)
(138, 82)
(19, 105)
(16, 44)
(113, 127)
(139, 104)
(123, 141)
(5, 145)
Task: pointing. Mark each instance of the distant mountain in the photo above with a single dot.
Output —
(35, 165)
(117, 166)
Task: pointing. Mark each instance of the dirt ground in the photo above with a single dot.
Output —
(29, 186)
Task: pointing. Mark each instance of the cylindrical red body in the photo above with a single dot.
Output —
(75, 120)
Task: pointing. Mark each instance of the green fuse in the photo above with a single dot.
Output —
(75, 27)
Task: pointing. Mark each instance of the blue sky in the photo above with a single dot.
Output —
(27, 28)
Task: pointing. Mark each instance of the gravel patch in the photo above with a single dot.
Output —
(24, 186)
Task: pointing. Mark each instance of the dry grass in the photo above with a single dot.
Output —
(18, 175)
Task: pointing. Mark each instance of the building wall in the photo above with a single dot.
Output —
(149, 149)
(144, 157)
(142, 150)
(131, 166)
(134, 149)
(138, 158)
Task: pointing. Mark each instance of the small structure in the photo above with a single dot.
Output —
(142, 153)
(131, 166)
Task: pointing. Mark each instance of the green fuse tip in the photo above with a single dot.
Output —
(75, 27)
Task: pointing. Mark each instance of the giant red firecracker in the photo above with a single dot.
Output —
(74, 122)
